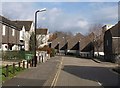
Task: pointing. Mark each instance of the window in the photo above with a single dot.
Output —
(3, 32)
(107, 42)
(13, 32)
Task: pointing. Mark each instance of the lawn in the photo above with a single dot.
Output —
(10, 74)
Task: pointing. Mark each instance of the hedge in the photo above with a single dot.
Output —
(14, 55)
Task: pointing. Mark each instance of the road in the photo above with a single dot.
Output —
(85, 72)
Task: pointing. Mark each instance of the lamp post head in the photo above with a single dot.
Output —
(41, 10)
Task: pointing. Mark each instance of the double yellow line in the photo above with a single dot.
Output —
(53, 84)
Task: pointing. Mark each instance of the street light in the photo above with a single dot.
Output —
(35, 58)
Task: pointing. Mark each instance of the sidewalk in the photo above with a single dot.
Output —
(35, 76)
(104, 62)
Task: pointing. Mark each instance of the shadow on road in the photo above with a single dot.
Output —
(100, 74)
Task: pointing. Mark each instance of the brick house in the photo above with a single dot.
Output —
(9, 34)
(112, 42)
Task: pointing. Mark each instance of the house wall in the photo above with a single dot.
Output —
(5, 38)
(116, 45)
(8, 38)
(108, 46)
(0, 36)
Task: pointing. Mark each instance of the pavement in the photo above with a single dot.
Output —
(39, 76)
(104, 62)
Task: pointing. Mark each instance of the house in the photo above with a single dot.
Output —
(112, 42)
(9, 34)
(60, 43)
(87, 46)
(26, 28)
(42, 36)
(74, 44)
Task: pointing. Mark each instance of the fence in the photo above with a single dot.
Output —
(42, 56)
(16, 67)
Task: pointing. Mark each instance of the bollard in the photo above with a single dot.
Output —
(23, 64)
(13, 68)
(30, 63)
(39, 59)
(7, 71)
(19, 66)
(27, 64)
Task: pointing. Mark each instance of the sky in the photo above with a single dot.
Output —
(65, 16)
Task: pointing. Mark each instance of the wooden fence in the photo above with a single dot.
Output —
(16, 67)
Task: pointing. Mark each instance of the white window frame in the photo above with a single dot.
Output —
(13, 32)
(3, 29)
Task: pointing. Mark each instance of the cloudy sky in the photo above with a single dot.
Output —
(69, 16)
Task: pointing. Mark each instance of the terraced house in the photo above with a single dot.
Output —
(74, 44)
(9, 34)
(26, 28)
(15, 35)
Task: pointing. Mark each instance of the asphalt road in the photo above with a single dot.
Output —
(85, 72)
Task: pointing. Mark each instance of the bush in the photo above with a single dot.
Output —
(49, 50)
(14, 55)
(52, 54)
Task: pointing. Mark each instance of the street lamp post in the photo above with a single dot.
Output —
(35, 58)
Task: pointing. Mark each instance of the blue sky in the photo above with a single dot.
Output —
(64, 16)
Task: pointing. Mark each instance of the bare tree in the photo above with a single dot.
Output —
(98, 36)
(96, 29)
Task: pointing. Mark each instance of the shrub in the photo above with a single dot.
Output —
(14, 55)
(49, 50)
(52, 54)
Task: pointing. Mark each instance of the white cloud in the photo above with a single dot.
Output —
(18, 10)
(106, 14)
(82, 23)
(56, 19)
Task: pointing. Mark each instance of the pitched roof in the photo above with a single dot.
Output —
(42, 31)
(74, 40)
(60, 40)
(7, 22)
(115, 30)
(26, 24)
(86, 41)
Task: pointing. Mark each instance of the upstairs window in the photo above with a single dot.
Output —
(13, 32)
(3, 31)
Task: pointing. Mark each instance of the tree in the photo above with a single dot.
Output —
(32, 42)
(98, 36)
